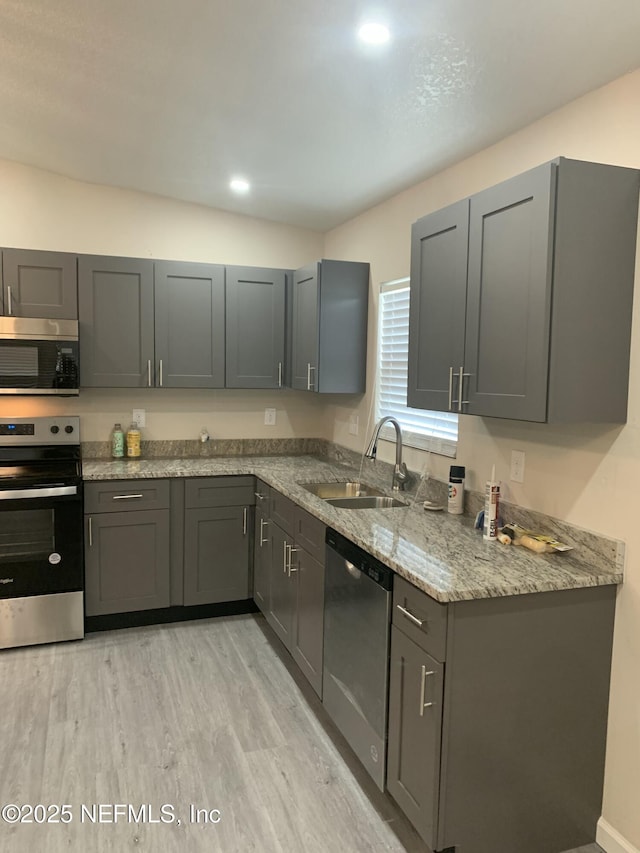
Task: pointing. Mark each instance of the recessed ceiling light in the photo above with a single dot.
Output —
(240, 185)
(373, 33)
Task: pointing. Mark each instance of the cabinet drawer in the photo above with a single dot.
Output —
(283, 512)
(122, 495)
(408, 602)
(202, 492)
(309, 534)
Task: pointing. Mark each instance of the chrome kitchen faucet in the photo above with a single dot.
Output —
(400, 474)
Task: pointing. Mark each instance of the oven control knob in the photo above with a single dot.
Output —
(55, 429)
(68, 428)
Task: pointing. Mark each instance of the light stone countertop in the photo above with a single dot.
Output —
(439, 553)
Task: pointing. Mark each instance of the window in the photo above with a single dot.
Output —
(437, 431)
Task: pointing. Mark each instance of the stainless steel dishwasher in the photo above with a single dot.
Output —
(356, 649)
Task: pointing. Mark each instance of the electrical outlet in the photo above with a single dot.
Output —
(353, 425)
(517, 466)
(270, 417)
(139, 417)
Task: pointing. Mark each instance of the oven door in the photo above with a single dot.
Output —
(33, 366)
(40, 540)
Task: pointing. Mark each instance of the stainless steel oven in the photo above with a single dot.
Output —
(41, 545)
(38, 356)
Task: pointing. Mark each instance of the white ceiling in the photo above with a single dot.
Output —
(175, 96)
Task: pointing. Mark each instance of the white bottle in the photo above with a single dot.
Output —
(455, 501)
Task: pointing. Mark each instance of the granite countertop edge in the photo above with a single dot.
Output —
(438, 553)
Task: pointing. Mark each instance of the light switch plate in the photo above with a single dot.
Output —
(353, 425)
(139, 417)
(270, 417)
(517, 466)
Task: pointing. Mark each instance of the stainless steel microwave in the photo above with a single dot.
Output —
(38, 356)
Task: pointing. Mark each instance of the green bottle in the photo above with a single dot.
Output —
(117, 442)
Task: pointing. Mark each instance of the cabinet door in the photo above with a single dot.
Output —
(509, 297)
(127, 561)
(415, 728)
(306, 294)
(189, 325)
(255, 324)
(282, 600)
(308, 620)
(262, 561)
(216, 555)
(115, 301)
(40, 284)
(439, 245)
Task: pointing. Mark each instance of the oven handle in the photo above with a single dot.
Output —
(19, 494)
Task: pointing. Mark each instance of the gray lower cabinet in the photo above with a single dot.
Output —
(115, 302)
(289, 581)
(217, 534)
(39, 284)
(255, 327)
(415, 731)
(329, 327)
(127, 542)
(189, 325)
(509, 316)
(498, 718)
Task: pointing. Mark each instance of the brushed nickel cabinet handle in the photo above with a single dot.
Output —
(462, 402)
(279, 374)
(244, 521)
(161, 373)
(284, 558)
(425, 674)
(291, 567)
(410, 616)
(310, 384)
(126, 497)
(263, 539)
(450, 388)
(259, 496)
(149, 372)
(10, 311)
(90, 532)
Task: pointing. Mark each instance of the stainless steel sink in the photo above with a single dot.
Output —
(350, 490)
(366, 502)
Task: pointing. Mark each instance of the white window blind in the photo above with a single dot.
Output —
(436, 431)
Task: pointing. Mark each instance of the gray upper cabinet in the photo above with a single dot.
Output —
(255, 327)
(115, 300)
(547, 271)
(438, 305)
(144, 327)
(329, 334)
(39, 284)
(189, 325)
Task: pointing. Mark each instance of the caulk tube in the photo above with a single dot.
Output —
(491, 507)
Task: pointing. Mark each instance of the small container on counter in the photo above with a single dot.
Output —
(455, 500)
(117, 442)
(133, 442)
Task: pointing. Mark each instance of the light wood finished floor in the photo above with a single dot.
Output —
(208, 713)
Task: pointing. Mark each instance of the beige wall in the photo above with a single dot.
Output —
(39, 210)
(588, 475)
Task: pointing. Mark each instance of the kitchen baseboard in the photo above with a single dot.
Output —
(611, 841)
(164, 615)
